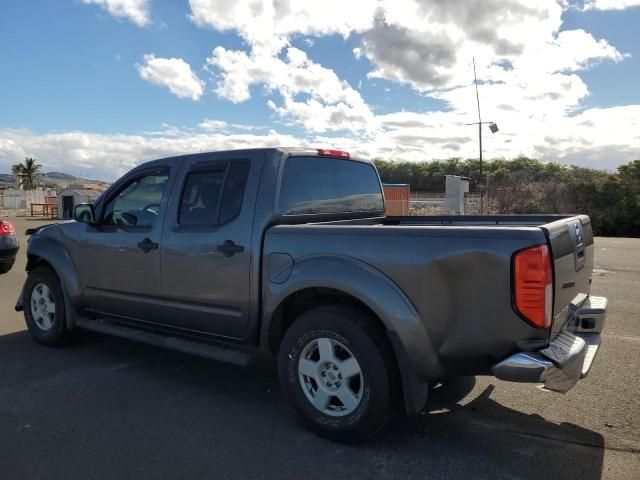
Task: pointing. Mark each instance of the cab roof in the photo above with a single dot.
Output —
(290, 151)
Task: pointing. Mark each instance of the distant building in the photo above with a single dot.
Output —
(70, 197)
(18, 199)
(396, 199)
(456, 188)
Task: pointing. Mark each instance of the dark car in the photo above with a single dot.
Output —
(8, 246)
(289, 251)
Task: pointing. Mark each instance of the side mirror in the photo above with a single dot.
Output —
(84, 212)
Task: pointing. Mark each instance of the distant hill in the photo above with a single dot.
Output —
(59, 176)
(61, 179)
(52, 179)
(6, 180)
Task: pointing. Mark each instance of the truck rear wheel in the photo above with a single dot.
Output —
(44, 310)
(338, 373)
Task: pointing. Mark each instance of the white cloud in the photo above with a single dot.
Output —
(214, 125)
(173, 73)
(316, 116)
(137, 11)
(430, 44)
(267, 24)
(425, 43)
(529, 69)
(328, 102)
(610, 4)
(600, 138)
(570, 50)
(530, 74)
(108, 156)
(309, 94)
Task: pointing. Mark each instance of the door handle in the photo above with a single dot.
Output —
(147, 245)
(228, 248)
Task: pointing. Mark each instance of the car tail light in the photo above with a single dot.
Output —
(533, 285)
(6, 228)
(325, 152)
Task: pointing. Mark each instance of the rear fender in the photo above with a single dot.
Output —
(370, 286)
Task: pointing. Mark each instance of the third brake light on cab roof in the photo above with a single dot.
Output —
(325, 152)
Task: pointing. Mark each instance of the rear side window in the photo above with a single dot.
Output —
(213, 195)
(320, 185)
(200, 198)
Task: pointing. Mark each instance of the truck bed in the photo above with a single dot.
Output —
(572, 256)
(457, 270)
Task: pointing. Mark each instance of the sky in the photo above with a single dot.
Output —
(95, 87)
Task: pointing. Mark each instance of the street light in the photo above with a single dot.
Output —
(493, 127)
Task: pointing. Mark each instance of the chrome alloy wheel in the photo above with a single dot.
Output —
(330, 377)
(43, 306)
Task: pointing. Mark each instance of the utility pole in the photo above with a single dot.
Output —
(475, 79)
(492, 126)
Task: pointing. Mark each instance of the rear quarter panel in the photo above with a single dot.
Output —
(458, 279)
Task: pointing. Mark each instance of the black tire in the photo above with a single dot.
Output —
(377, 385)
(6, 266)
(57, 333)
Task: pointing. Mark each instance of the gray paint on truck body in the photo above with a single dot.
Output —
(446, 291)
(441, 285)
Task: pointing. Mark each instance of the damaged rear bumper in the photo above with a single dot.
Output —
(569, 356)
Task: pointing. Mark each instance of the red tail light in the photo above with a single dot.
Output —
(533, 286)
(325, 152)
(6, 228)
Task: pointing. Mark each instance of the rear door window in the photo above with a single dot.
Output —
(212, 195)
(201, 197)
(320, 185)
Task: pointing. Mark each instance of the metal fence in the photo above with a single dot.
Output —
(430, 203)
(14, 199)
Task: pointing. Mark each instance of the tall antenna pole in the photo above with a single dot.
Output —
(475, 79)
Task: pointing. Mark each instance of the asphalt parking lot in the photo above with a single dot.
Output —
(109, 408)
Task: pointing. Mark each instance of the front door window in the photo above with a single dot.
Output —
(138, 203)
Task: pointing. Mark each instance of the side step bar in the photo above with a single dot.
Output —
(206, 350)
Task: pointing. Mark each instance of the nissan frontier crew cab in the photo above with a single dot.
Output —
(289, 251)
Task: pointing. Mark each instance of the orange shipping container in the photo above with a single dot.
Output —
(396, 197)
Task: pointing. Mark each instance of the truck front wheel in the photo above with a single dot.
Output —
(338, 373)
(44, 310)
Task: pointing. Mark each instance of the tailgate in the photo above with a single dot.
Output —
(571, 242)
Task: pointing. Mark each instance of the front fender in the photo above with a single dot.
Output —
(370, 286)
(53, 252)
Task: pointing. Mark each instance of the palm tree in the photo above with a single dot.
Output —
(27, 174)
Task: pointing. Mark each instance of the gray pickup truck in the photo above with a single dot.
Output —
(288, 251)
